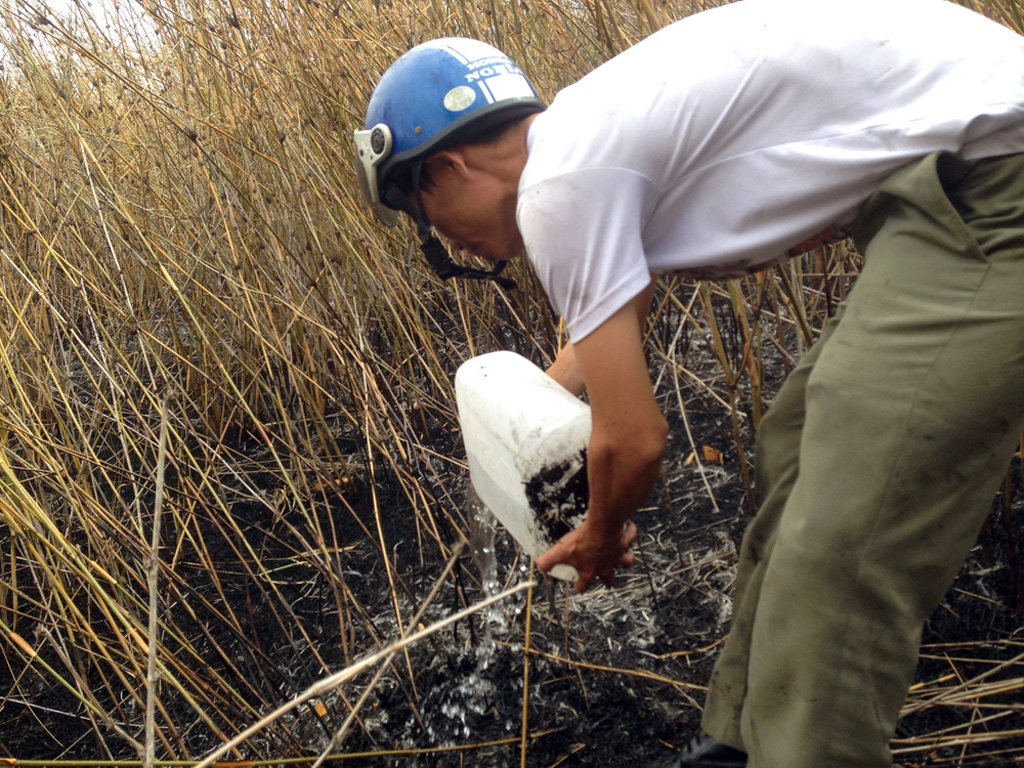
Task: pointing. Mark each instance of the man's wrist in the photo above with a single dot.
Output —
(603, 525)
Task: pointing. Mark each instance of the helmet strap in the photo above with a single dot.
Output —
(434, 251)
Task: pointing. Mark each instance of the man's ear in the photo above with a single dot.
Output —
(446, 161)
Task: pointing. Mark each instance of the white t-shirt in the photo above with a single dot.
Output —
(724, 140)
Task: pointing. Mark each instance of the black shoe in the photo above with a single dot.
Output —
(704, 752)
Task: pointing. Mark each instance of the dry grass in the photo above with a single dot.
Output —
(186, 266)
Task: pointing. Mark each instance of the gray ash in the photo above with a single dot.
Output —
(559, 494)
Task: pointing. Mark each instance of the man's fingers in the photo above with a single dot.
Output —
(629, 535)
(566, 551)
(551, 558)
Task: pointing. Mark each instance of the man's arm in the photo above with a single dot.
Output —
(626, 445)
(566, 369)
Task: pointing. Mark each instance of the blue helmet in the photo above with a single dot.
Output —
(436, 95)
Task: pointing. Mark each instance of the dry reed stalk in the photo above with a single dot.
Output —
(177, 212)
(331, 682)
(153, 582)
(524, 727)
(339, 737)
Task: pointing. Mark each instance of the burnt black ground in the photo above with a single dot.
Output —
(667, 618)
(616, 676)
(641, 653)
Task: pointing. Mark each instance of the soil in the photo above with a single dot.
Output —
(558, 495)
(615, 677)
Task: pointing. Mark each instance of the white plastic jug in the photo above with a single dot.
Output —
(526, 440)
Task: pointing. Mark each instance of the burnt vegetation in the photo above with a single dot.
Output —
(203, 328)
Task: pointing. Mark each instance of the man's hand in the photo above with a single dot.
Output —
(593, 552)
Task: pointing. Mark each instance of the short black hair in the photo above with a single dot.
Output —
(402, 175)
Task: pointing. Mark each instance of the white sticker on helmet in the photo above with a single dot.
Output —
(458, 98)
(505, 86)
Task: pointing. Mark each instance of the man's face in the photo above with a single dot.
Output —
(473, 210)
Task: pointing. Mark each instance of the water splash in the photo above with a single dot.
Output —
(469, 691)
(483, 528)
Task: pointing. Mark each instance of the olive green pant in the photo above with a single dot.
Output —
(876, 466)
